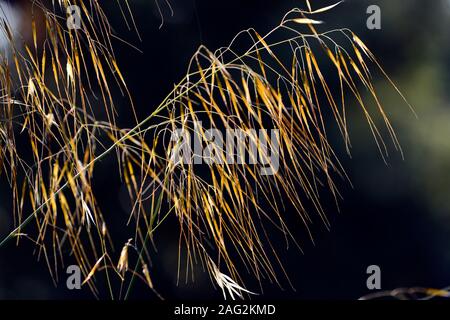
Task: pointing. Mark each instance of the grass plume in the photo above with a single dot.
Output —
(278, 81)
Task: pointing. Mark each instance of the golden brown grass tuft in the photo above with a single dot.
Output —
(277, 82)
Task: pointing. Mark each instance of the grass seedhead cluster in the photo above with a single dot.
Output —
(51, 92)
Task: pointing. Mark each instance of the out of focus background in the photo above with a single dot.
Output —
(396, 216)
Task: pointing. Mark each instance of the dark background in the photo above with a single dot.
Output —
(397, 215)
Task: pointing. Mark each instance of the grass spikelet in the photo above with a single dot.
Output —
(122, 265)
